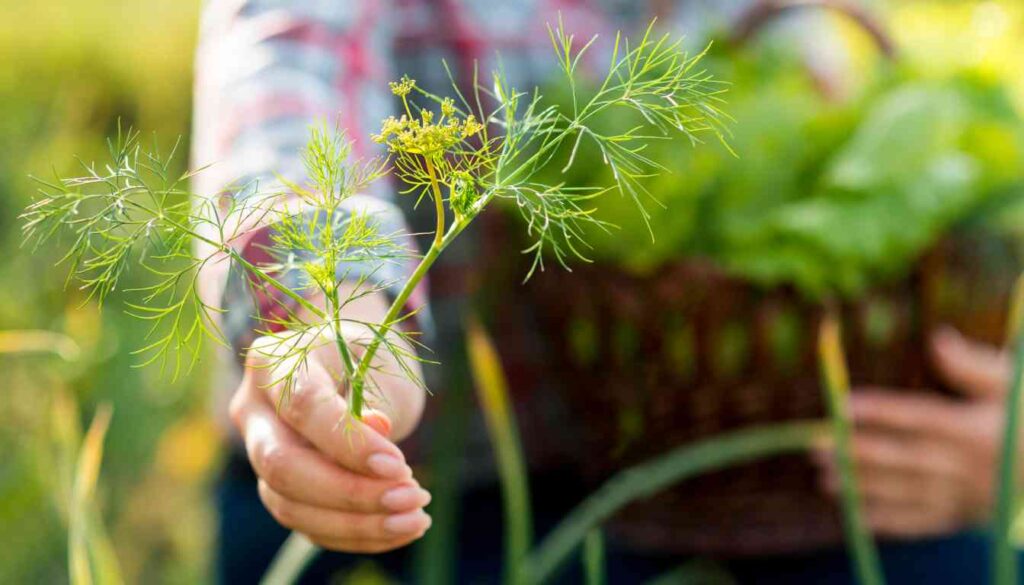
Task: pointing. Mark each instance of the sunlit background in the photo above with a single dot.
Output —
(70, 70)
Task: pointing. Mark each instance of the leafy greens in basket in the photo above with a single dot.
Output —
(825, 197)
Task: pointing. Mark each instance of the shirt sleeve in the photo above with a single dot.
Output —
(266, 71)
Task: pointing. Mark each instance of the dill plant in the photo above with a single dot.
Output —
(463, 153)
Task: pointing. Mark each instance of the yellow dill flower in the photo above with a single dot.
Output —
(403, 87)
(471, 127)
(447, 107)
(389, 127)
(425, 136)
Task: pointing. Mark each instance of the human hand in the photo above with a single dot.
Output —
(341, 482)
(926, 463)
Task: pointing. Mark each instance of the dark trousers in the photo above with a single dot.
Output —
(249, 537)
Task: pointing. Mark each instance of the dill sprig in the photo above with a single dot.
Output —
(463, 152)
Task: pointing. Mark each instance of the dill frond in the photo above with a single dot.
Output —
(463, 156)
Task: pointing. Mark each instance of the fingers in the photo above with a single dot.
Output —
(912, 473)
(369, 547)
(329, 525)
(916, 414)
(903, 501)
(976, 369)
(899, 521)
(885, 451)
(314, 409)
(896, 486)
(289, 466)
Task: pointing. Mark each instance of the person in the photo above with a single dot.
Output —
(266, 70)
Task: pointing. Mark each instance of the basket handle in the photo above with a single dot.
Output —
(753, 20)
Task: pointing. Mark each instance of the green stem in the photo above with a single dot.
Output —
(499, 416)
(252, 268)
(289, 562)
(277, 285)
(395, 311)
(438, 202)
(1004, 554)
(837, 391)
(649, 478)
(593, 558)
(339, 339)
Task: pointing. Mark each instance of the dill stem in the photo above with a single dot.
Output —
(438, 202)
(339, 340)
(274, 283)
(395, 310)
(252, 268)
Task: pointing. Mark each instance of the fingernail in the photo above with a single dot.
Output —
(387, 466)
(377, 421)
(406, 523)
(404, 498)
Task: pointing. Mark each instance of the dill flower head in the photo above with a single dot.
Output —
(447, 107)
(402, 87)
(425, 136)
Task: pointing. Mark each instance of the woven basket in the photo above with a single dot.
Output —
(646, 364)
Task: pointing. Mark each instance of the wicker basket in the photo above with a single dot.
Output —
(646, 364)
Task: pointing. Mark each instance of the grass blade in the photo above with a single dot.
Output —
(836, 380)
(39, 341)
(90, 554)
(492, 390)
(1004, 554)
(661, 472)
(695, 572)
(290, 561)
(593, 558)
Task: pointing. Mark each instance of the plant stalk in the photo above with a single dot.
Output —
(394, 311)
(837, 392)
(1004, 554)
(438, 202)
(339, 339)
(252, 268)
(291, 559)
(499, 415)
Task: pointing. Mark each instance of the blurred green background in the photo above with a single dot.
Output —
(71, 70)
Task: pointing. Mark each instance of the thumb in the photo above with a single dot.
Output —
(974, 369)
(377, 421)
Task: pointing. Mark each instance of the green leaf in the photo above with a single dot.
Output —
(659, 473)
(91, 556)
(492, 392)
